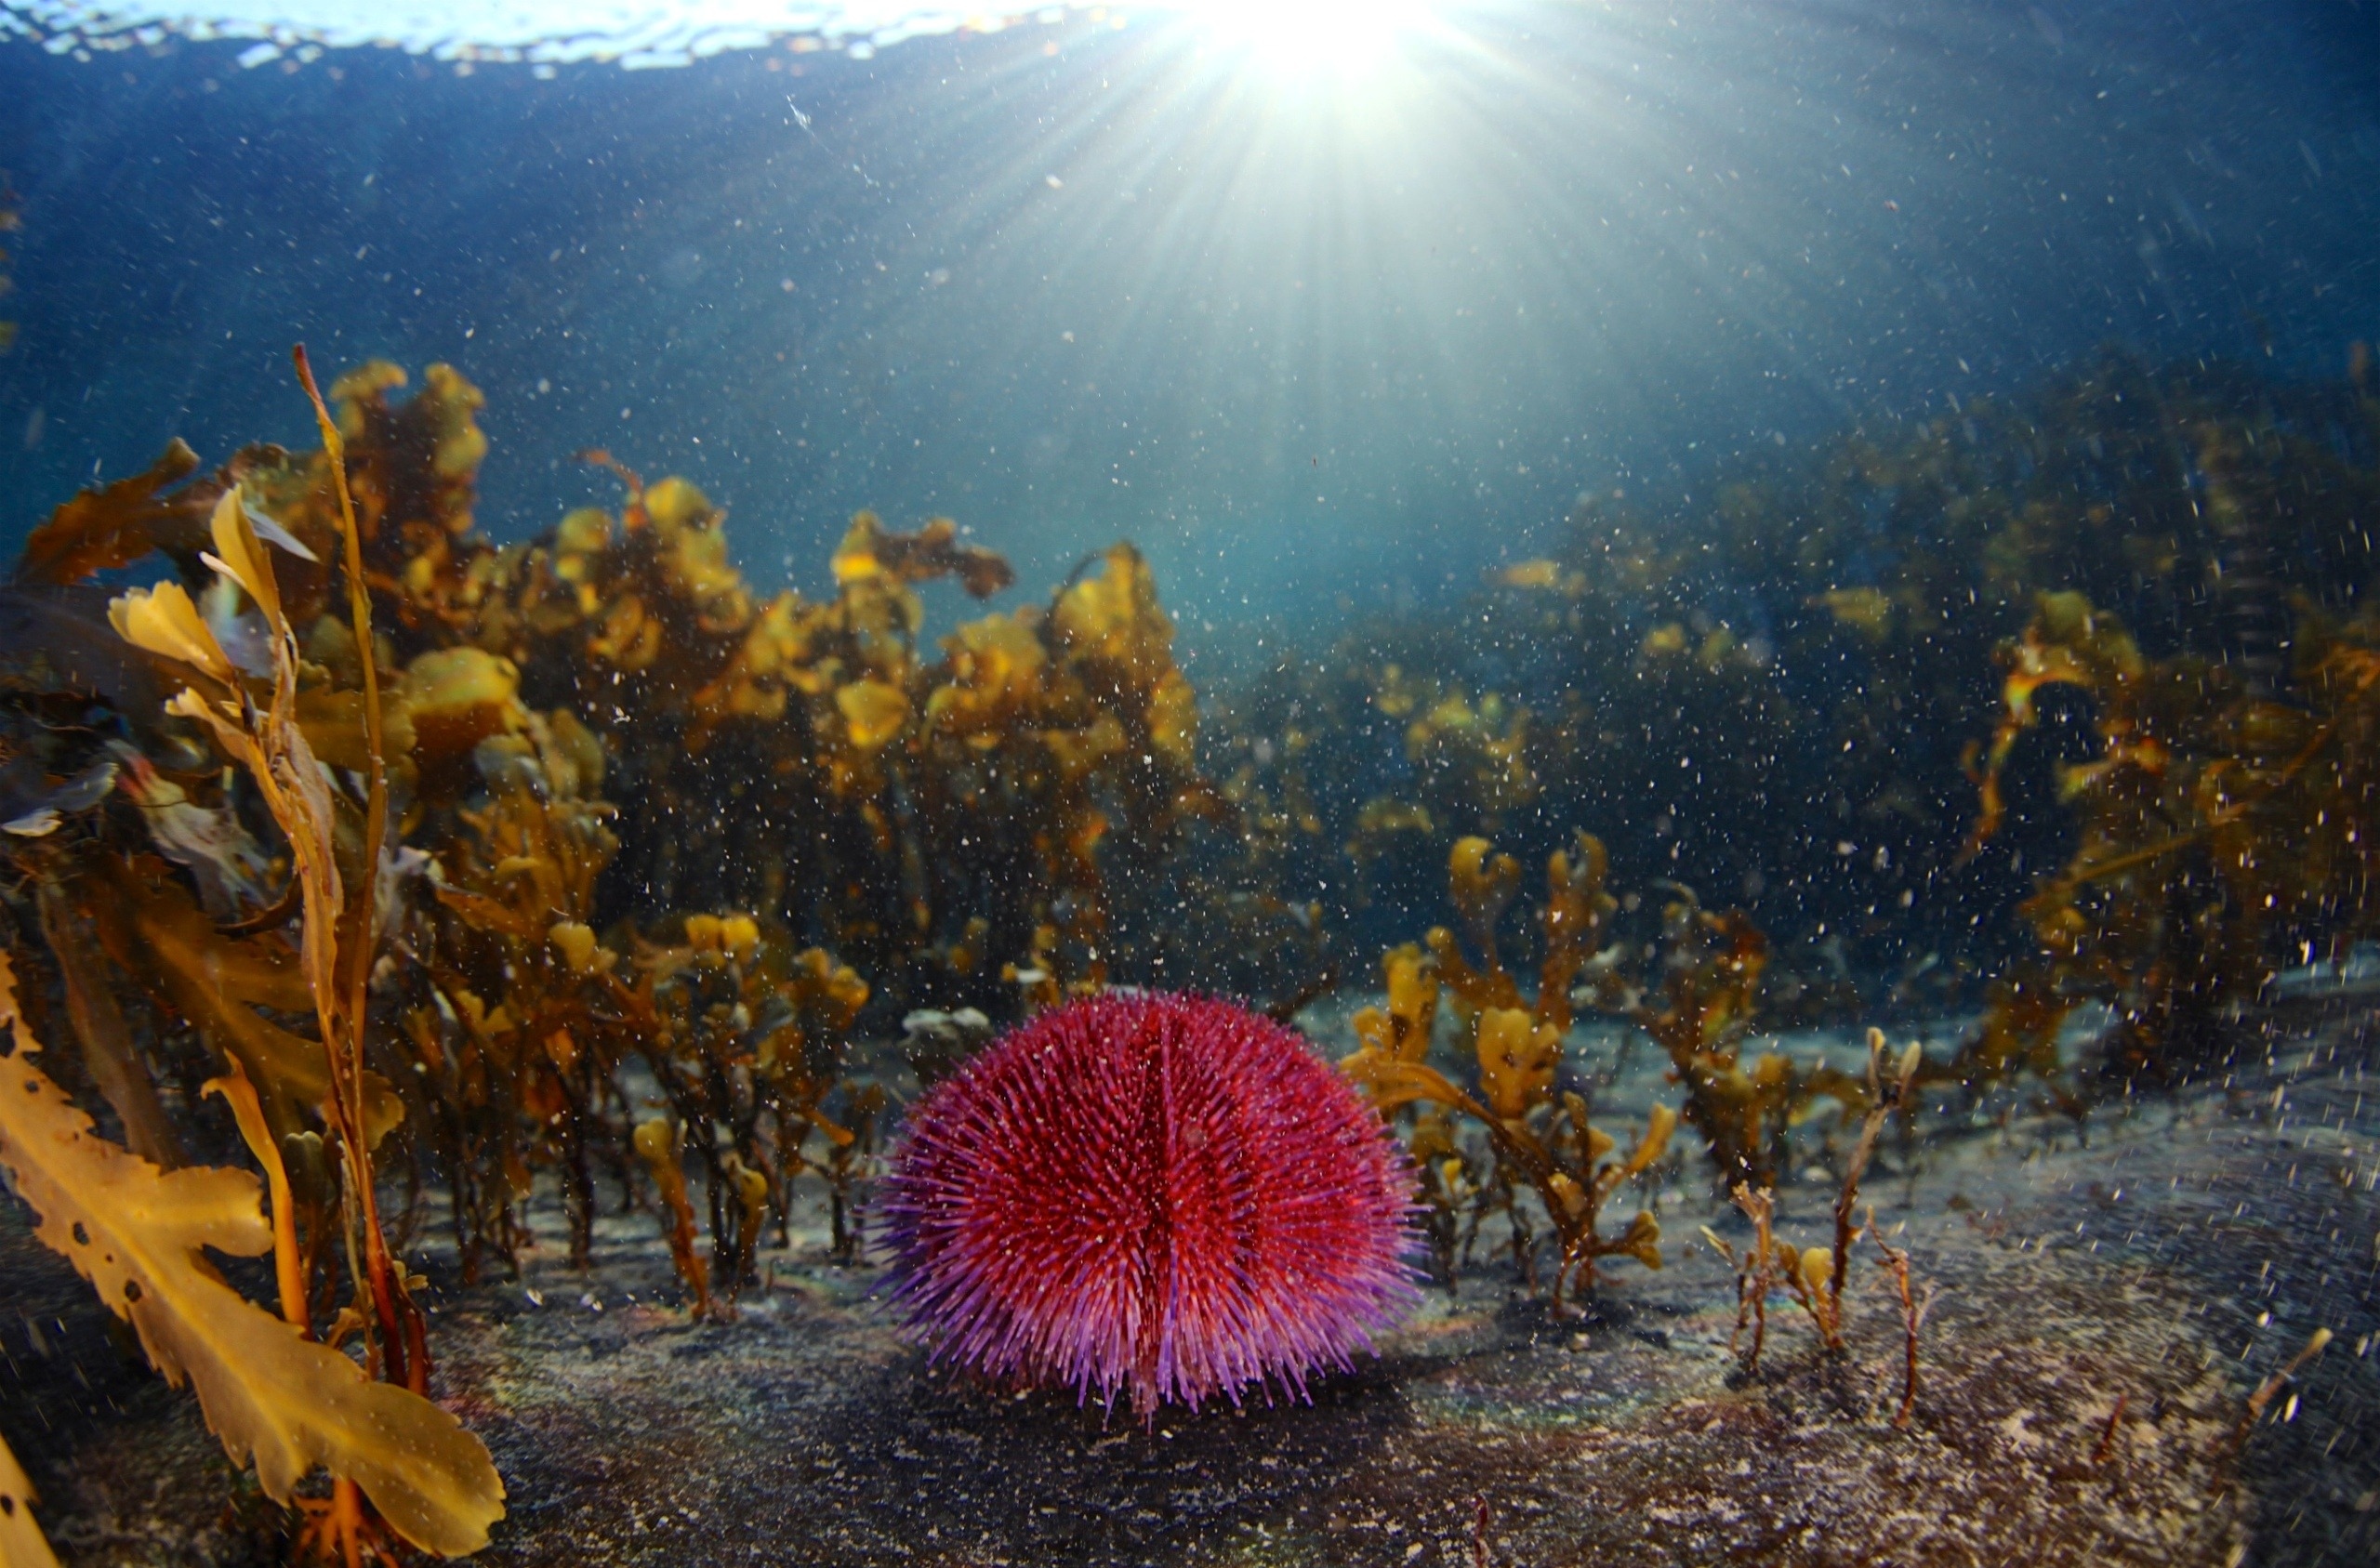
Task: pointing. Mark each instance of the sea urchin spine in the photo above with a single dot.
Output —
(1162, 1193)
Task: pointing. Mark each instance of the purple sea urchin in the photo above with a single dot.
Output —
(1162, 1193)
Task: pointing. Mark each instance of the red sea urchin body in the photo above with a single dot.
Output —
(1163, 1193)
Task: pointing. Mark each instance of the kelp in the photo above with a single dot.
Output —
(1537, 1123)
(512, 1018)
(746, 1041)
(955, 814)
(2215, 828)
(102, 1031)
(531, 710)
(932, 795)
(228, 989)
(1760, 681)
(656, 1145)
(1815, 1277)
(408, 471)
(277, 1398)
(1700, 1015)
(523, 1015)
(234, 654)
(116, 524)
(267, 739)
(1538, 1127)
(21, 1543)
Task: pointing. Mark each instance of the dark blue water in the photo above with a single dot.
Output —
(1317, 345)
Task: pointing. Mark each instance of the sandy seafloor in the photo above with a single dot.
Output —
(2173, 1253)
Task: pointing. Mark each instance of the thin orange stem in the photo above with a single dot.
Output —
(248, 1111)
(403, 1344)
(347, 1502)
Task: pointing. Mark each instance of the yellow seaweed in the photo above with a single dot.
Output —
(1541, 1140)
(276, 1399)
(21, 1543)
(2195, 770)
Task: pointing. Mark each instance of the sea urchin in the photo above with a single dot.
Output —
(1162, 1193)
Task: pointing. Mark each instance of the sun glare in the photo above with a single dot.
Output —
(1311, 37)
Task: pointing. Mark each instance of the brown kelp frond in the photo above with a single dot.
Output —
(275, 1398)
(748, 1040)
(226, 988)
(1065, 719)
(250, 694)
(870, 550)
(118, 524)
(1471, 754)
(407, 473)
(1758, 1267)
(1888, 1094)
(1700, 1014)
(209, 841)
(1769, 1263)
(109, 1050)
(165, 508)
(1695, 998)
(656, 1145)
(1913, 1309)
(265, 739)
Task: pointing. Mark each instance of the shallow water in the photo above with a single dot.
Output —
(1900, 478)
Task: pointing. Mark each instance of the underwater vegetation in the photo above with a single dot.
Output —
(2213, 829)
(1147, 1191)
(1695, 998)
(2217, 822)
(367, 879)
(1541, 1136)
(949, 817)
(1814, 1277)
(275, 1388)
(381, 936)
(1808, 641)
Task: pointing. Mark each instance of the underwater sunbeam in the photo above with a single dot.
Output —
(1311, 37)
